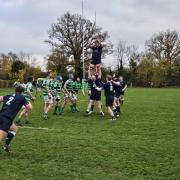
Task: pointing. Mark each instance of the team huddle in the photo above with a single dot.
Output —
(58, 94)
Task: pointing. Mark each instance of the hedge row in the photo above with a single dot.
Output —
(6, 83)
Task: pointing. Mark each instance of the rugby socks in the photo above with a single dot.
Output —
(114, 109)
(45, 115)
(75, 108)
(18, 121)
(27, 121)
(55, 109)
(113, 118)
(72, 108)
(10, 137)
(59, 110)
(92, 108)
(62, 109)
(118, 110)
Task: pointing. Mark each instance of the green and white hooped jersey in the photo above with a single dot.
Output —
(28, 87)
(58, 87)
(77, 86)
(17, 83)
(46, 83)
(70, 85)
(51, 85)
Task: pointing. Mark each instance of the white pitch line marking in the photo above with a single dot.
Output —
(38, 128)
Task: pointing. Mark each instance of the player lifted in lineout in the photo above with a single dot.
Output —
(11, 106)
(95, 66)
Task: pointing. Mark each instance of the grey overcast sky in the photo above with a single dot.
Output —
(24, 23)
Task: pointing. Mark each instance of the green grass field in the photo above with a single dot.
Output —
(144, 143)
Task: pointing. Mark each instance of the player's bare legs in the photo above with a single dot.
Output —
(98, 70)
(91, 102)
(24, 113)
(48, 107)
(100, 108)
(3, 135)
(91, 69)
(110, 111)
(10, 136)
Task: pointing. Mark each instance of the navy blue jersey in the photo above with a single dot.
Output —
(93, 85)
(123, 84)
(117, 88)
(11, 105)
(96, 54)
(109, 89)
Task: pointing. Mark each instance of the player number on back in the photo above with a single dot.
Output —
(9, 101)
(111, 87)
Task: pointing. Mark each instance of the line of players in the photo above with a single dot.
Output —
(114, 89)
(53, 90)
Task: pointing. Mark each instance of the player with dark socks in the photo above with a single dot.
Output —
(118, 110)
(12, 104)
(92, 108)
(113, 118)
(10, 136)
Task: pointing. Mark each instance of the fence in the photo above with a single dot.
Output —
(6, 83)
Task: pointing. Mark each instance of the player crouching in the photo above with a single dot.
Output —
(11, 106)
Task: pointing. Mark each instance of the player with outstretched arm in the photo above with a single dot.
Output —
(12, 104)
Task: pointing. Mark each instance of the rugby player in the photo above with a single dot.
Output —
(11, 106)
(28, 89)
(69, 94)
(117, 90)
(95, 66)
(95, 83)
(17, 83)
(109, 94)
(48, 98)
(39, 86)
(58, 89)
(88, 89)
(123, 89)
(77, 89)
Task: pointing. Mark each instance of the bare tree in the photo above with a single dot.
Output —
(57, 62)
(67, 35)
(165, 46)
(121, 52)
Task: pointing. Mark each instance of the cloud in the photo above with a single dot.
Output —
(24, 23)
